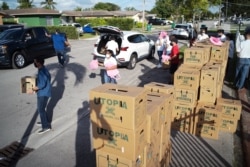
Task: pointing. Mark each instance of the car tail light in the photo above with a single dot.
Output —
(124, 48)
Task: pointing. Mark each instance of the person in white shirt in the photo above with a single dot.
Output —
(243, 62)
(112, 45)
(221, 34)
(202, 36)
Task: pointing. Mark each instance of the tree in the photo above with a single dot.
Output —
(130, 9)
(78, 8)
(236, 7)
(48, 4)
(187, 8)
(4, 6)
(106, 6)
(25, 4)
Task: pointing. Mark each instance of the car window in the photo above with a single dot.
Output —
(11, 34)
(135, 39)
(40, 33)
(144, 38)
(77, 25)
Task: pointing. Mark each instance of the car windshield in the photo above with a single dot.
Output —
(181, 26)
(11, 34)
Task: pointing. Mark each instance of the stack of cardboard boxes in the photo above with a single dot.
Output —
(131, 126)
(198, 104)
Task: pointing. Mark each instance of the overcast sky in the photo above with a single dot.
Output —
(72, 4)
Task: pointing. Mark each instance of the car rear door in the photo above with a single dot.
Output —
(138, 45)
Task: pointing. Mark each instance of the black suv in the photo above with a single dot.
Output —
(157, 21)
(9, 26)
(18, 46)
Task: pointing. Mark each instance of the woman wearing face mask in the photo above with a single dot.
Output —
(110, 64)
(202, 36)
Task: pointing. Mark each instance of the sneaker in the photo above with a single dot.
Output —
(159, 66)
(43, 131)
(38, 124)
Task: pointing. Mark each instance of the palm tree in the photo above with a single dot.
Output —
(48, 4)
(25, 4)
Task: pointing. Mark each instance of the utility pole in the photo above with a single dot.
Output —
(220, 14)
(143, 15)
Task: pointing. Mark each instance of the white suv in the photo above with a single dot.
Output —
(132, 45)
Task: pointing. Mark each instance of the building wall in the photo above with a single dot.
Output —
(39, 20)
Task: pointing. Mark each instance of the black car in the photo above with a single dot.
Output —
(157, 21)
(18, 46)
(9, 26)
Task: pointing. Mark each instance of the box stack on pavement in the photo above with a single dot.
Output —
(131, 125)
(118, 123)
(159, 98)
(198, 106)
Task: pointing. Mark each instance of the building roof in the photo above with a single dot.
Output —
(98, 13)
(31, 11)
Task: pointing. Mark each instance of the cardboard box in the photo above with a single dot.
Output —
(230, 108)
(194, 56)
(228, 124)
(187, 96)
(123, 106)
(153, 121)
(206, 130)
(187, 79)
(106, 159)
(27, 83)
(166, 64)
(221, 67)
(208, 94)
(160, 102)
(182, 110)
(183, 124)
(165, 139)
(120, 141)
(149, 155)
(159, 87)
(209, 76)
(219, 53)
(191, 67)
(208, 113)
(207, 52)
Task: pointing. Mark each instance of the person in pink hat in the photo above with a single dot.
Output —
(161, 42)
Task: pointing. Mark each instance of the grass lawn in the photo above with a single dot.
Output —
(87, 35)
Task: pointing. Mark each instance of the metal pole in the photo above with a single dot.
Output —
(143, 15)
(220, 14)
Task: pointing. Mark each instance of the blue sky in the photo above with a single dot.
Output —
(72, 4)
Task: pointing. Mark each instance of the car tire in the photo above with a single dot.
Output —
(151, 53)
(132, 62)
(18, 60)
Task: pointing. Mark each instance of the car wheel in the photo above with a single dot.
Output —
(132, 62)
(152, 53)
(18, 60)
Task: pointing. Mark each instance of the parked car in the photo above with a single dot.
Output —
(182, 31)
(87, 28)
(76, 25)
(9, 26)
(132, 45)
(18, 46)
(245, 21)
(156, 21)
